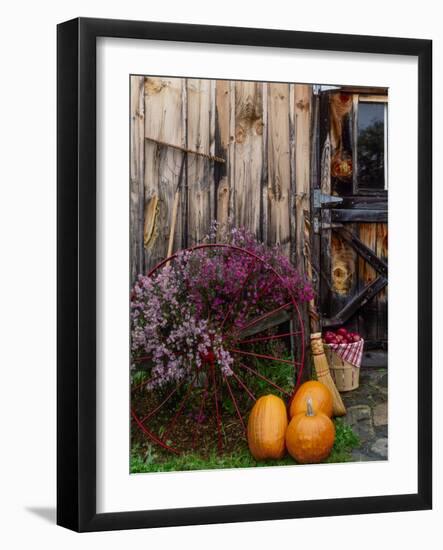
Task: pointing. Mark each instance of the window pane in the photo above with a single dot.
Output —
(371, 145)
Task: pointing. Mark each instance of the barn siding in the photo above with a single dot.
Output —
(264, 132)
(260, 129)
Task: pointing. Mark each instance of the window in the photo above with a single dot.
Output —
(372, 145)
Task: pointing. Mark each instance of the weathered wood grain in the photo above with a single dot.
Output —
(312, 253)
(279, 178)
(382, 298)
(359, 215)
(137, 175)
(302, 99)
(364, 202)
(324, 216)
(292, 180)
(184, 188)
(163, 107)
(248, 154)
(200, 176)
(300, 114)
(344, 275)
(367, 274)
(274, 152)
(264, 217)
(222, 180)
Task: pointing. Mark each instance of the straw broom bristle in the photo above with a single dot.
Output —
(323, 375)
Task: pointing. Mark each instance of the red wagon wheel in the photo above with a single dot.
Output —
(258, 325)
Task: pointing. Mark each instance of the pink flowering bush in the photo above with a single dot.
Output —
(190, 310)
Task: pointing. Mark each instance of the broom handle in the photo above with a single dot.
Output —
(316, 343)
(173, 223)
(175, 208)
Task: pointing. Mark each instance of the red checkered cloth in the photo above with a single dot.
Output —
(352, 353)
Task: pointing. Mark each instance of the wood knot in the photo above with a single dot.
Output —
(259, 125)
(154, 85)
(240, 134)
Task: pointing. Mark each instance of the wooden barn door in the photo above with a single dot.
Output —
(349, 214)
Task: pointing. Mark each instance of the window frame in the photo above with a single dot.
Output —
(369, 98)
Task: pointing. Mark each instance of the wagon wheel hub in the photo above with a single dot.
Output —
(208, 358)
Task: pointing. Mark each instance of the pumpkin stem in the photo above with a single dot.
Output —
(309, 409)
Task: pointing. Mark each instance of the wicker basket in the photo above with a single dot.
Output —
(345, 375)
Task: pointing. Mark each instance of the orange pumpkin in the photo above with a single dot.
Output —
(310, 436)
(320, 395)
(267, 427)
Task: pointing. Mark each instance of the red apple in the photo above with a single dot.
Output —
(354, 337)
(342, 332)
(340, 339)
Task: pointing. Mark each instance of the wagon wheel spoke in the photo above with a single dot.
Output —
(151, 435)
(234, 302)
(171, 424)
(141, 384)
(165, 400)
(217, 412)
(234, 401)
(244, 386)
(253, 371)
(263, 318)
(200, 412)
(266, 287)
(273, 337)
(264, 356)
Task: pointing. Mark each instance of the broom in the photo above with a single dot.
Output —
(323, 375)
(321, 364)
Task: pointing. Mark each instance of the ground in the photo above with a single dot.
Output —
(361, 435)
(368, 416)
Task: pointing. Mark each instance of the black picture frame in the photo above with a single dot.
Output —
(76, 281)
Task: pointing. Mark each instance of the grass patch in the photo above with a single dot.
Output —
(150, 459)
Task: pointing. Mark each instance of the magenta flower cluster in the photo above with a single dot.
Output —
(186, 312)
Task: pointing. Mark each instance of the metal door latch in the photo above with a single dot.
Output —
(323, 199)
(317, 226)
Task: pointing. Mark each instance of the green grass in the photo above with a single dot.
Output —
(151, 460)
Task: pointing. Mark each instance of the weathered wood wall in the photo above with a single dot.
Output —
(278, 141)
(262, 130)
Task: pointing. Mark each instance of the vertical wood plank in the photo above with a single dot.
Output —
(231, 151)
(344, 275)
(340, 108)
(212, 165)
(221, 171)
(300, 140)
(324, 214)
(163, 121)
(367, 314)
(302, 97)
(354, 139)
(248, 154)
(137, 175)
(313, 241)
(293, 182)
(279, 178)
(184, 186)
(382, 297)
(200, 174)
(264, 214)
